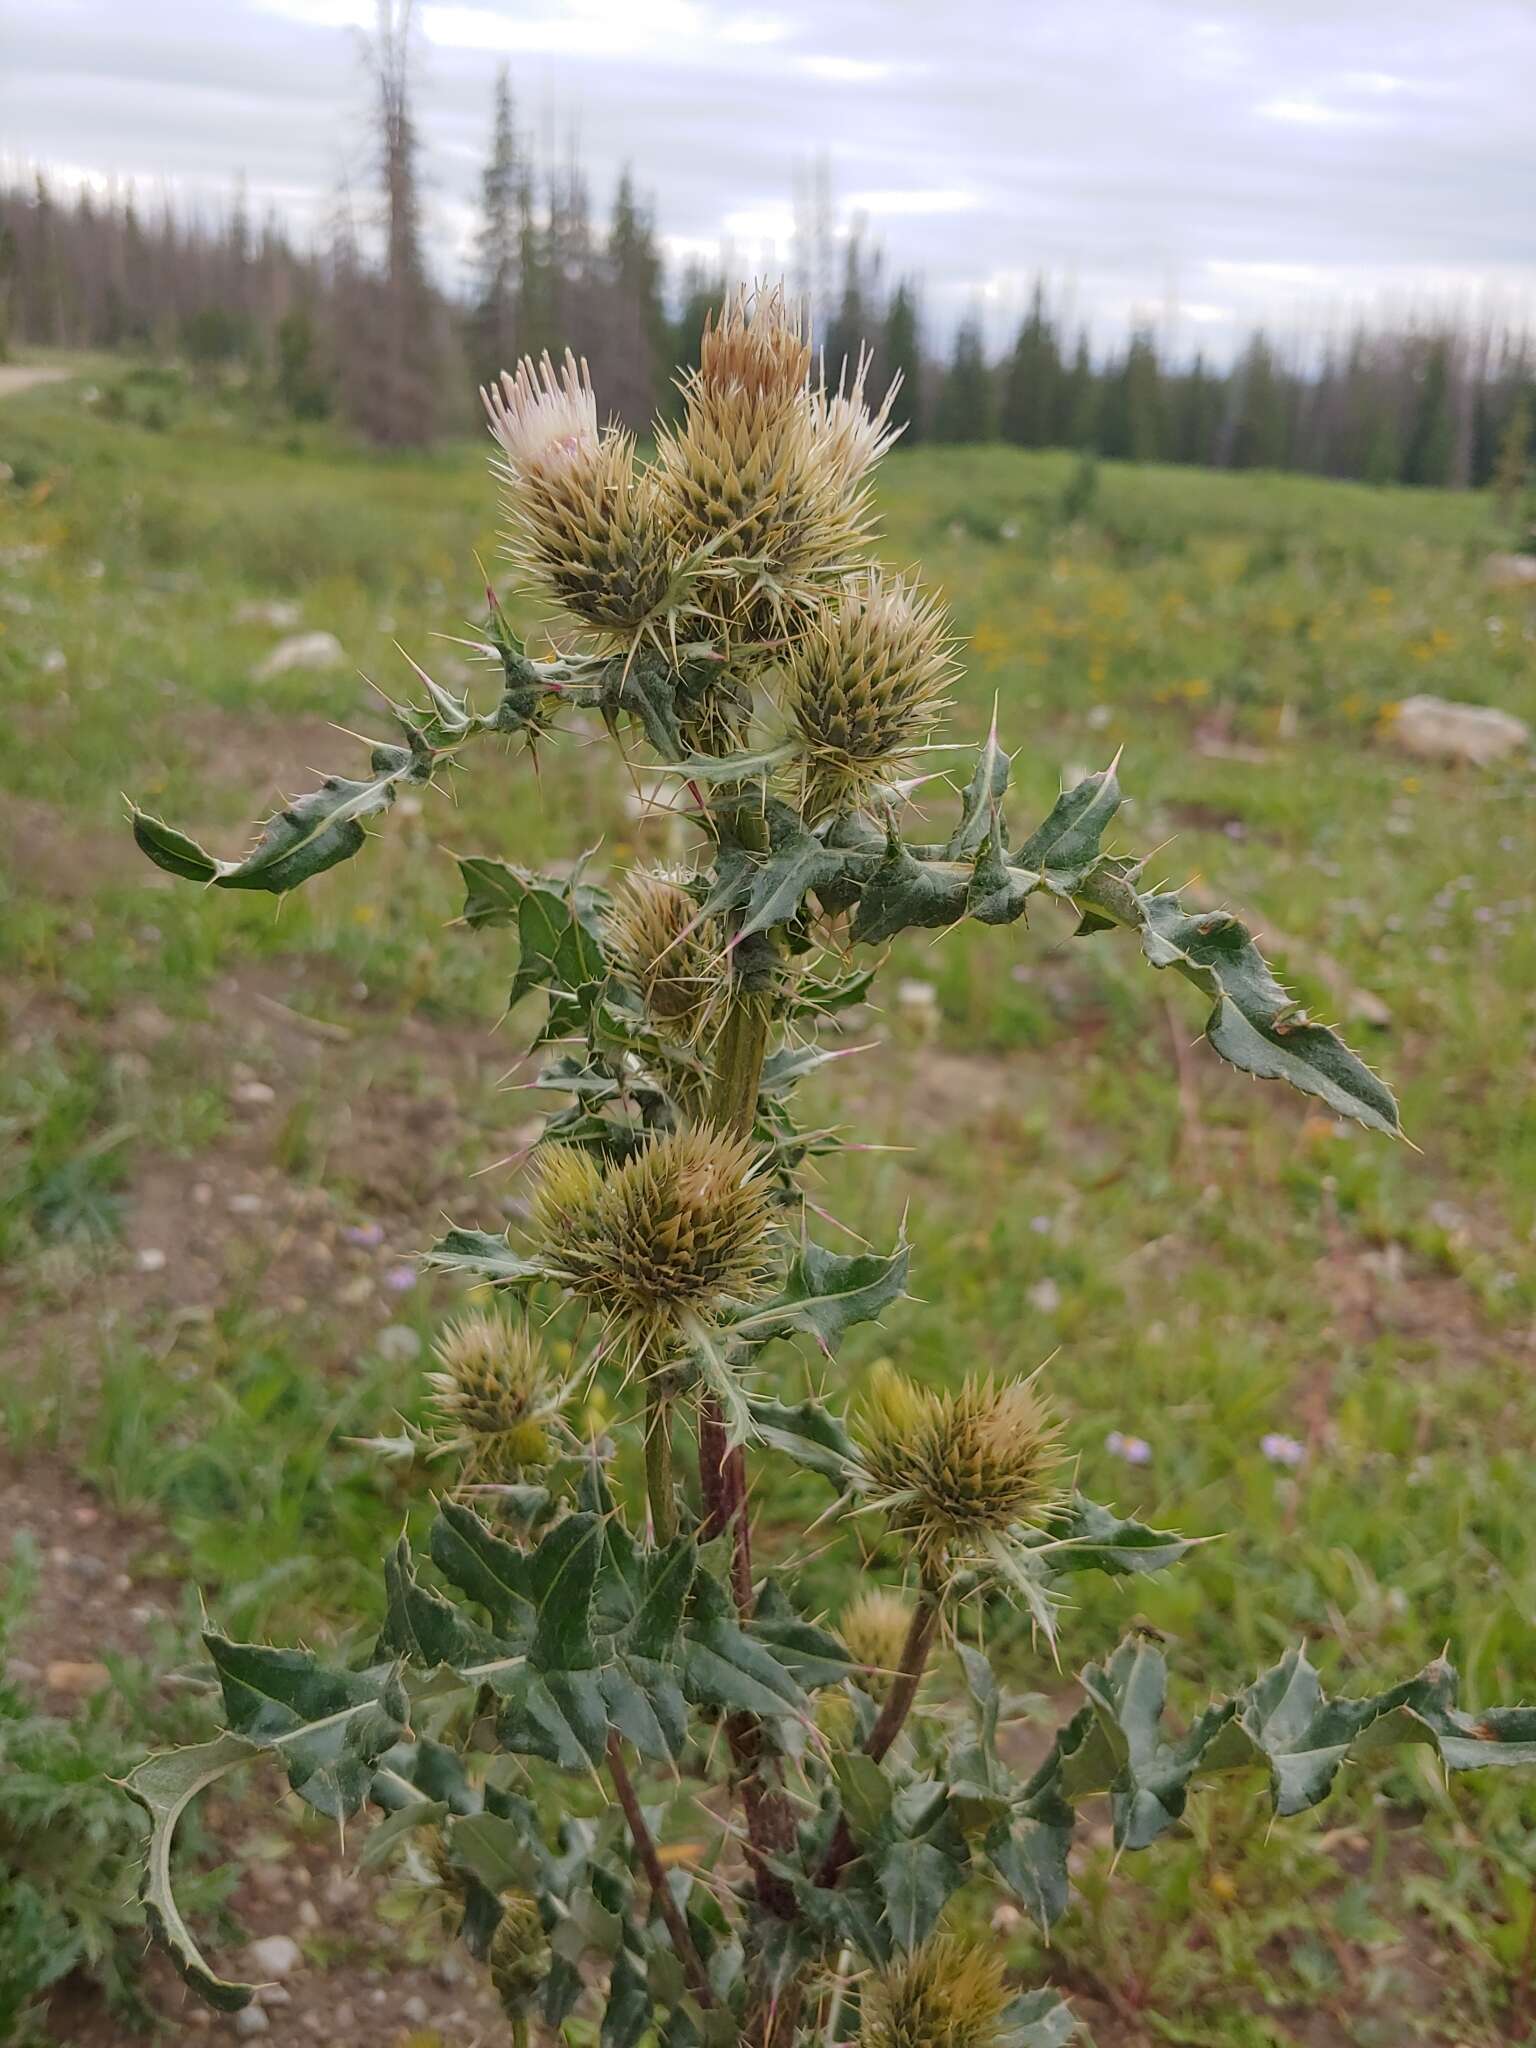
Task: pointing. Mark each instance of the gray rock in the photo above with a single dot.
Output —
(1435, 729)
(251, 2021)
(417, 2011)
(300, 650)
(282, 614)
(275, 1956)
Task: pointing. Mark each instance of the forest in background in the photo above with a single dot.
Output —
(356, 327)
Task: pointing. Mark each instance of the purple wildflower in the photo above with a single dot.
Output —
(368, 1235)
(400, 1279)
(1282, 1450)
(1135, 1450)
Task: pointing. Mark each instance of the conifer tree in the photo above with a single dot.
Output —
(1030, 383)
(966, 410)
(901, 356)
(493, 316)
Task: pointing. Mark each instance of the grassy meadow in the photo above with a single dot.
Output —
(226, 1125)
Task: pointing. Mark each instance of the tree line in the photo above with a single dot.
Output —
(356, 326)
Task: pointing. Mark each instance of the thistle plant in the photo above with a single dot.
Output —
(817, 1795)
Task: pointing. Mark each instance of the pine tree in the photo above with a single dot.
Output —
(1077, 401)
(901, 355)
(1512, 469)
(853, 320)
(1258, 436)
(393, 393)
(635, 334)
(493, 335)
(1431, 444)
(1131, 426)
(966, 409)
(1032, 378)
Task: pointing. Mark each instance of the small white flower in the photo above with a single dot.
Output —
(541, 416)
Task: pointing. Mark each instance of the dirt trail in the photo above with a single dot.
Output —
(15, 377)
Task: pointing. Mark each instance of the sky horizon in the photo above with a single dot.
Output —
(1205, 169)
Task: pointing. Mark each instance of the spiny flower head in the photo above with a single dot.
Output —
(875, 1627)
(756, 346)
(956, 1472)
(864, 687)
(496, 1394)
(519, 1952)
(850, 439)
(544, 419)
(659, 948)
(668, 1240)
(947, 1994)
(743, 478)
(586, 527)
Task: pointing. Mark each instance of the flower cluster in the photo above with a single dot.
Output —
(663, 1245)
(957, 1471)
(745, 538)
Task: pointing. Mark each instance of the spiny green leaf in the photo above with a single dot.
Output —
(1041, 2019)
(808, 1433)
(827, 1293)
(308, 835)
(329, 1727)
(1084, 1537)
(1067, 844)
(905, 893)
(165, 1785)
(724, 1667)
(982, 796)
(1255, 1025)
(484, 1255)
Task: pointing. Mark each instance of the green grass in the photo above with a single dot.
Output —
(1208, 1263)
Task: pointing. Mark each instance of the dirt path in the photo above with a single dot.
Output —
(16, 377)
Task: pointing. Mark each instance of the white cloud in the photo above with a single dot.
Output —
(893, 203)
(846, 70)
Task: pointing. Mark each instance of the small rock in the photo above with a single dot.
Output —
(282, 614)
(64, 1676)
(309, 1915)
(344, 2019)
(85, 1516)
(151, 1259)
(1045, 1296)
(23, 1673)
(1435, 729)
(275, 1956)
(250, 2021)
(917, 1004)
(417, 2011)
(397, 1344)
(1511, 572)
(245, 1205)
(301, 650)
(449, 1970)
(273, 1995)
(255, 1093)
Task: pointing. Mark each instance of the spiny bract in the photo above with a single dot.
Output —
(586, 526)
(874, 1626)
(946, 1994)
(864, 688)
(519, 1952)
(659, 948)
(952, 1469)
(496, 1395)
(748, 476)
(676, 1234)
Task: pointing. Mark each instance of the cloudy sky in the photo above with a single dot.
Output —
(1197, 164)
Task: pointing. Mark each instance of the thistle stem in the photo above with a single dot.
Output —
(888, 1723)
(909, 1675)
(520, 2030)
(658, 1467)
(656, 1877)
